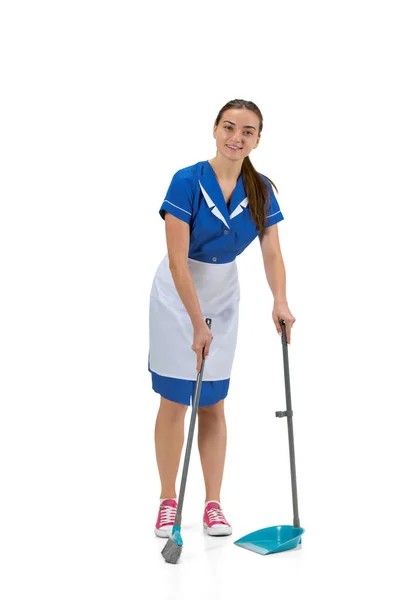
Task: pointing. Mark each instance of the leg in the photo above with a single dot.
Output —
(169, 435)
(212, 447)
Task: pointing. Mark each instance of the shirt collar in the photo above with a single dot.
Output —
(215, 199)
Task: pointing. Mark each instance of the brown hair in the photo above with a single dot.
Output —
(256, 188)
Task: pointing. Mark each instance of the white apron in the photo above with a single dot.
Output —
(171, 330)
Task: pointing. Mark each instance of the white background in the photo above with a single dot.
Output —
(101, 103)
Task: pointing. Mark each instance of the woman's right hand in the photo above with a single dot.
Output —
(202, 338)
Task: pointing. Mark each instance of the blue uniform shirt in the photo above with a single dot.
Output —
(218, 233)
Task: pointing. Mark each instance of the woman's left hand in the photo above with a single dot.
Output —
(281, 312)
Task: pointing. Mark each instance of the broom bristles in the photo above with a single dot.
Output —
(171, 552)
(173, 548)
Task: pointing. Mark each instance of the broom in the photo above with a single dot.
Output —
(173, 548)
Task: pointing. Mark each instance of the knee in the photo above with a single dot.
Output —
(172, 410)
(213, 413)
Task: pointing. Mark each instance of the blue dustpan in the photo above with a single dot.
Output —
(272, 539)
(281, 537)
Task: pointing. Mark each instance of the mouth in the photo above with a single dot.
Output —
(235, 148)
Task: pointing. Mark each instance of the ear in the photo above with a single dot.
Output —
(214, 131)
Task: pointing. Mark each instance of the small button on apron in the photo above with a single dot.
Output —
(226, 231)
(214, 259)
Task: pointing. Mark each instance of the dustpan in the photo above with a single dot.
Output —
(280, 538)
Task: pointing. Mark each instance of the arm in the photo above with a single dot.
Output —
(276, 276)
(178, 237)
(273, 262)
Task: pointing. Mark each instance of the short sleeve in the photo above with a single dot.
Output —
(179, 198)
(274, 214)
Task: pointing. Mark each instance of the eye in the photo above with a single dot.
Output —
(250, 132)
(228, 126)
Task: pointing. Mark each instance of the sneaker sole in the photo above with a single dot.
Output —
(163, 533)
(217, 531)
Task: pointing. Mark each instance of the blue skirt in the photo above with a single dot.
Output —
(183, 390)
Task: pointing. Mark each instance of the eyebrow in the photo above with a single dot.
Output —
(232, 123)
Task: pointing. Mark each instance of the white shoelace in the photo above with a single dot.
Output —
(215, 514)
(168, 514)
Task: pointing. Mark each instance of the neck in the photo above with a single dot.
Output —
(225, 169)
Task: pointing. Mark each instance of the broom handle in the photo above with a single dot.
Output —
(289, 415)
(195, 406)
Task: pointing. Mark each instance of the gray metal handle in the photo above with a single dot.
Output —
(289, 415)
(195, 406)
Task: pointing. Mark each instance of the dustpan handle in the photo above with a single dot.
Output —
(289, 415)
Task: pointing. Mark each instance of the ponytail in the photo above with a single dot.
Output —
(257, 191)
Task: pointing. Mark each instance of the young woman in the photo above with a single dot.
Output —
(213, 210)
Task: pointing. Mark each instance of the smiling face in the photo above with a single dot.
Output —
(237, 133)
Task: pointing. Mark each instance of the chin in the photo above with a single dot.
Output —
(226, 154)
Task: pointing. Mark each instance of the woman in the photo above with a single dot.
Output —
(213, 210)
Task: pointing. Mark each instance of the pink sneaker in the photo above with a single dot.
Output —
(214, 521)
(166, 517)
